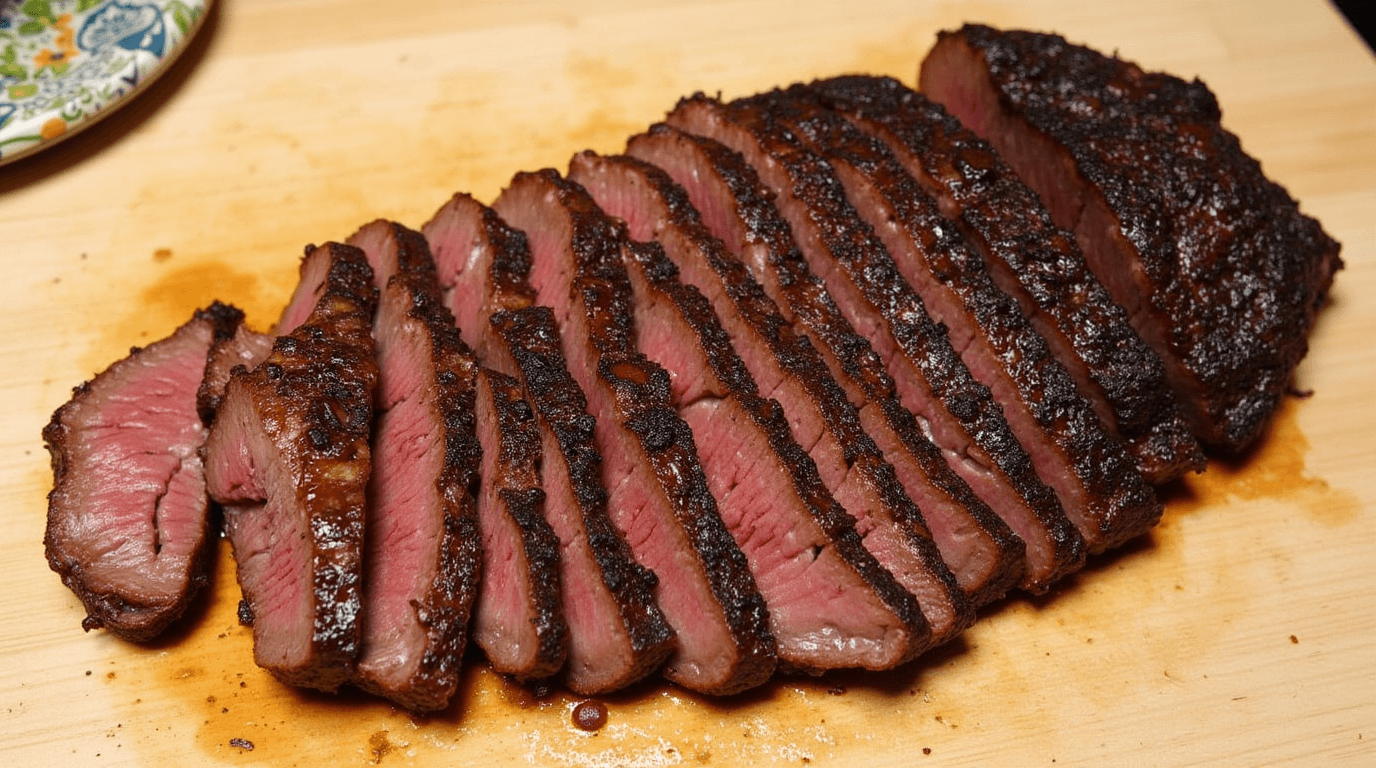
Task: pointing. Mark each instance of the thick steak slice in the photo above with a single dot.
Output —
(127, 517)
(1216, 266)
(1098, 483)
(288, 456)
(422, 555)
(1034, 261)
(786, 367)
(617, 633)
(658, 494)
(520, 622)
(483, 264)
(519, 619)
(924, 375)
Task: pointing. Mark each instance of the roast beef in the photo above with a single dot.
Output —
(1034, 261)
(520, 622)
(127, 526)
(288, 456)
(786, 367)
(1098, 483)
(519, 618)
(1214, 263)
(928, 380)
(658, 495)
(246, 348)
(422, 555)
(617, 632)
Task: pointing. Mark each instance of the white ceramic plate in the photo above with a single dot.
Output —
(64, 64)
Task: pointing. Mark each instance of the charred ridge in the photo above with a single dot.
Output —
(1231, 273)
(1098, 483)
(513, 484)
(1038, 263)
(532, 341)
(132, 603)
(304, 416)
(918, 565)
(413, 658)
(732, 383)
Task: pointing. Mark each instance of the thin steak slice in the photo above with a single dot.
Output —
(928, 381)
(128, 520)
(1034, 261)
(288, 456)
(1214, 263)
(1098, 483)
(246, 348)
(786, 367)
(483, 263)
(658, 496)
(422, 556)
(617, 632)
(520, 621)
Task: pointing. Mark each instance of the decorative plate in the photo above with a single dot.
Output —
(66, 63)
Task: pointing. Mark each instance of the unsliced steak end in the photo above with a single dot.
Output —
(127, 522)
(288, 457)
(422, 556)
(1216, 266)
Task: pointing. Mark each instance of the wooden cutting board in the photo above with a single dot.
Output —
(1241, 631)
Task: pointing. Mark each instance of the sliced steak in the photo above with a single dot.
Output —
(483, 265)
(128, 526)
(1034, 261)
(422, 556)
(1214, 263)
(617, 633)
(1098, 483)
(288, 456)
(520, 623)
(928, 379)
(658, 496)
(519, 619)
(786, 367)
(831, 604)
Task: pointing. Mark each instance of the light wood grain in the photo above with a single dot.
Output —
(1241, 632)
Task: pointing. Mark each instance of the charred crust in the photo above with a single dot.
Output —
(1225, 249)
(1008, 223)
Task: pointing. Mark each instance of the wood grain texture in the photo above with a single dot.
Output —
(1239, 632)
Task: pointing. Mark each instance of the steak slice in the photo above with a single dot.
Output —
(519, 618)
(422, 556)
(483, 264)
(617, 633)
(1215, 265)
(1034, 261)
(911, 362)
(520, 622)
(128, 524)
(658, 496)
(786, 367)
(288, 456)
(1098, 483)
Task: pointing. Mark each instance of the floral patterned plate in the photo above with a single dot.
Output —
(66, 63)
